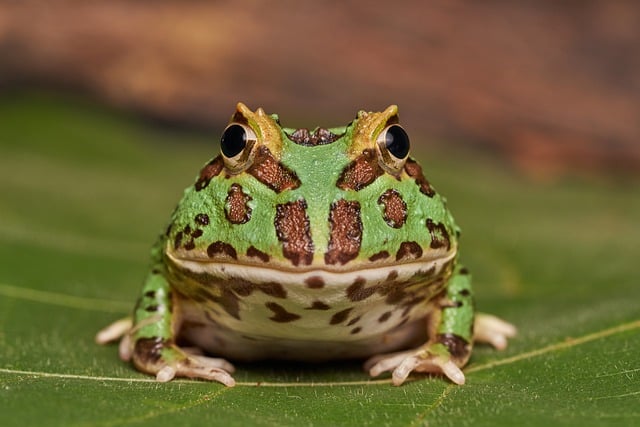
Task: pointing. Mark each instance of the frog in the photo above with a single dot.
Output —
(307, 245)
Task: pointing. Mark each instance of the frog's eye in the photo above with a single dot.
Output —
(393, 147)
(236, 143)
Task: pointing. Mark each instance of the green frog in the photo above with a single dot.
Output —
(307, 245)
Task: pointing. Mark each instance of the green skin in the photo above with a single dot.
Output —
(317, 169)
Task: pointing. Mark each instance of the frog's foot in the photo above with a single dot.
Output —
(493, 330)
(430, 358)
(169, 361)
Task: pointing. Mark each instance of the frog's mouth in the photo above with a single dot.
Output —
(314, 277)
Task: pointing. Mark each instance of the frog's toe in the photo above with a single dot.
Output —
(419, 360)
(199, 367)
(167, 361)
(114, 331)
(493, 330)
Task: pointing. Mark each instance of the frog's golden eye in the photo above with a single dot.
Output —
(393, 148)
(236, 145)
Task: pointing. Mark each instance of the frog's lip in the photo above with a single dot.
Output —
(288, 275)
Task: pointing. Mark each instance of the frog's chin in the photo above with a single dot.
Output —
(315, 276)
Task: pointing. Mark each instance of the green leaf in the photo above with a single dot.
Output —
(84, 191)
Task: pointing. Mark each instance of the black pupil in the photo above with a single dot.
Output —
(233, 140)
(397, 141)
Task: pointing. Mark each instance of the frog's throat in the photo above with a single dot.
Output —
(257, 274)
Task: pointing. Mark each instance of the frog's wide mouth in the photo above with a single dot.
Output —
(314, 277)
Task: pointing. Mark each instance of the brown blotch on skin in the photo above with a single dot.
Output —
(314, 282)
(148, 351)
(256, 253)
(414, 170)
(458, 346)
(202, 219)
(236, 208)
(273, 289)
(292, 228)
(212, 169)
(393, 275)
(379, 256)
(394, 208)
(356, 330)
(395, 296)
(244, 288)
(280, 314)
(229, 302)
(360, 172)
(340, 316)
(409, 250)
(384, 317)
(346, 232)
(319, 305)
(266, 169)
(221, 248)
(320, 136)
(177, 241)
(354, 321)
(358, 292)
(439, 235)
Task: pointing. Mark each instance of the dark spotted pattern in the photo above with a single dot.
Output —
(148, 351)
(320, 136)
(414, 170)
(266, 169)
(458, 346)
(314, 282)
(340, 316)
(384, 317)
(236, 208)
(405, 293)
(360, 172)
(202, 219)
(223, 293)
(319, 305)
(356, 330)
(292, 228)
(379, 256)
(346, 232)
(280, 314)
(152, 308)
(256, 253)
(408, 250)
(439, 235)
(354, 321)
(394, 208)
(358, 292)
(223, 249)
(245, 288)
(186, 238)
(212, 169)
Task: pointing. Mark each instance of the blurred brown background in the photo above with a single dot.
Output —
(554, 86)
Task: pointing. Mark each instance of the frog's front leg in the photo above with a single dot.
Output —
(151, 342)
(450, 327)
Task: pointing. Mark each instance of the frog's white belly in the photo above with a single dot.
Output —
(249, 313)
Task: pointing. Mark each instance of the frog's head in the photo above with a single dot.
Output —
(328, 200)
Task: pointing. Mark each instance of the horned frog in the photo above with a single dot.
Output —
(307, 245)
